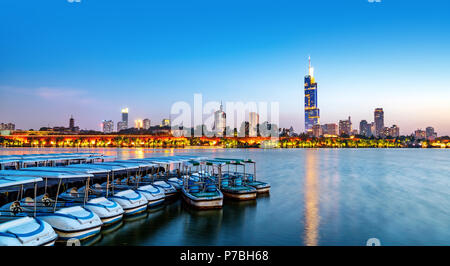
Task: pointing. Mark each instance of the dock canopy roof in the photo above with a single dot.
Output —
(125, 166)
(103, 166)
(131, 162)
(10, 181)
(44, 174)
(52, 155)
(85, 168)
(189, 157)
(140, 161)
(215, 162)
(5, 161)
(234, 160)
(66, 169)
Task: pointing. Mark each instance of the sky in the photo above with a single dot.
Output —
(92, 58)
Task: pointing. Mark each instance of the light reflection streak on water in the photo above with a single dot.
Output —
(311, 199)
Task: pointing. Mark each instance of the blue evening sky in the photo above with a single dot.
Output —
(92, 58)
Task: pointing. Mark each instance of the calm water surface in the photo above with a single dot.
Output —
(318, 197)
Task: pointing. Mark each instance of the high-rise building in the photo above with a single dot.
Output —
(138, 123)
(312, 113)
(379, 121)
(429, 131)
(345, 127)
(364, 128)
(219, 122)
(330, 130)
(165, 122)
(317, 130)
(253, 124)
(420, 134)
(125, 118)
(372, 129)
(121, 125)
(7, 126)
(430, 134)
(386, 132)
(108, 126)
(146, 124)
(394, 131)
(71, 123)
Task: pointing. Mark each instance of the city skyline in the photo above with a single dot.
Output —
(376, 128)
(91, 72)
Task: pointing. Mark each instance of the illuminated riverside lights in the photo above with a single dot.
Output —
(312, 113)
(232, 142)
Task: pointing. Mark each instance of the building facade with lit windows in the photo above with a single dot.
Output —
(379, 121)
(165, 122)
(138, 123)
(107, 126)
(364, 128)
(420, 134)
(253, 124)
(121, 125)
(124, 118)
(219, 122)
(146, 124)
(317, 131)
(345, 127)
(330, 130)
(312, 113)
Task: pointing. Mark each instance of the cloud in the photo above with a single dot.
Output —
(53, 94)
(56, 93)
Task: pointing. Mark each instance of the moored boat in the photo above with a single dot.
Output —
(108, 211)
(248, 179)
(231, 186)
(132, 202)
(201, 191)
(234, 189)
(17, 229)
(68, 222)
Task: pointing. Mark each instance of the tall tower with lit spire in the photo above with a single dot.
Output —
(312, 113)
(219, 122)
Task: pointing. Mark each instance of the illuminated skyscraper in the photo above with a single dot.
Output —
(312, 114)
(219, 122)
(379, 121)
(253, 124)
(124, 118)
(146, 124)
(165, 122)
(138, 123)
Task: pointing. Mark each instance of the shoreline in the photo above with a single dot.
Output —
(216, 147)
(164, 142)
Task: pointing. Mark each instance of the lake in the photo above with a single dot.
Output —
(318, 197)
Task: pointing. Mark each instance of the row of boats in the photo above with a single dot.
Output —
(75, 201)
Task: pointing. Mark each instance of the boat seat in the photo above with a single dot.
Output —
(194, 189)
(46, 200)
(74, 192)
(210, 188)
(15, 207)
(225, 183)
